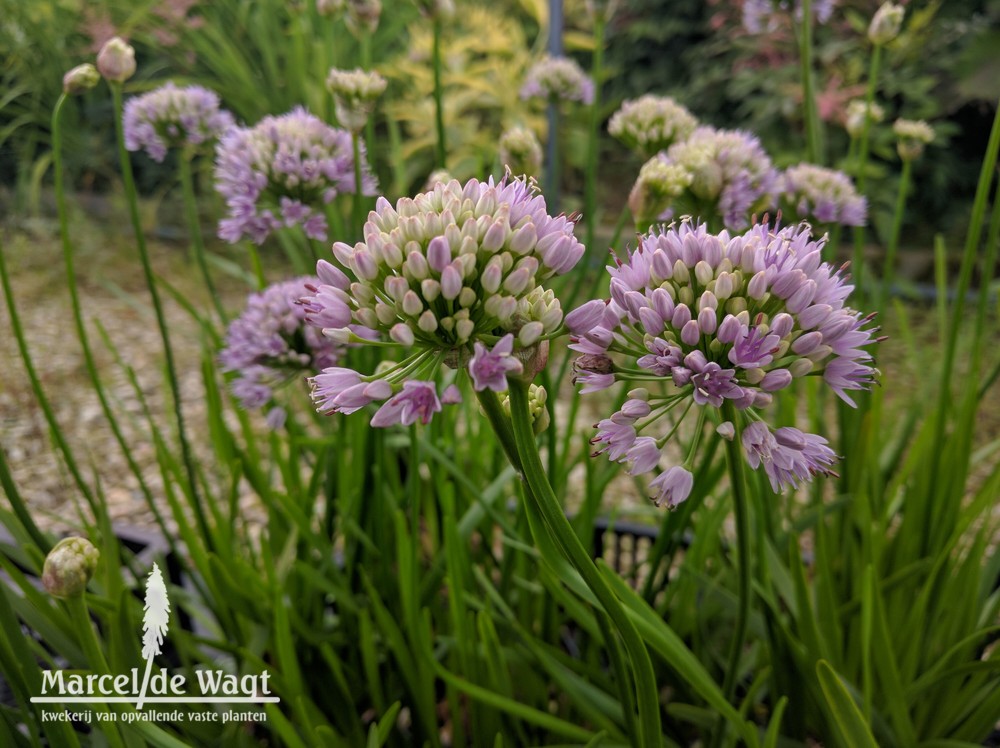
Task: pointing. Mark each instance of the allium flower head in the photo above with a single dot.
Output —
(886, 23)
(116, 60)
(558, 79)
(172, 117)
(659, 184)
(856, 115)
(731, 175)
(825, 196)
(354, 94)
(454, 276)
(270, 343)
(81, 78)
(281, 172)
(720, 320)
(651, 124)
(69, 566)
(520, 151)
(912, 136)
(765, 16)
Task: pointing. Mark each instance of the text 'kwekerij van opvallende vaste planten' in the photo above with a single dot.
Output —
(530, 378)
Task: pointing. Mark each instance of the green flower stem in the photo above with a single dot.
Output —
(553, 178)
(358, 220)
(889, 270)
(365, 41)
(442, 151)
(741, 511)
(147, 269)
(861, 168)
(593, 140)
(562, 531)
(95, 656)
(814, 135)
(36, 386)
(194, 229)
(81, 329)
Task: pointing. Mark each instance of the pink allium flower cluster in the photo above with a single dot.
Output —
(454, 276)
(171, 117)
(558, 78)
(731, 176)
(764, 16)
(281, 172)
(270, 343)
(717, 319)
(826, 196)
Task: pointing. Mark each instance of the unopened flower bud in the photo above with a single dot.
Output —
(886, 24)
(354, 94)
(69, 567)
(116, 60)
(79, 79)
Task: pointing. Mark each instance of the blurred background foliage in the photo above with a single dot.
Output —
(264, 56)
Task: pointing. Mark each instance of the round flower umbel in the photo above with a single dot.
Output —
(558, 79)
(698, 319)
(172, 117)
(281, 172)
(354, 94)
(454, 276)
(731, 176)
(651, 124)
(270, 344)
(825, 196)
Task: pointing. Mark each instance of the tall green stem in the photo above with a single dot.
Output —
(568, 541)
(814, 136)
(862, 164)
(194, 229)
(147, 269)
(593, 141)
(741, 512)
(81, 329)
(889, 270)
(365, 41)
(95, 657)
(358, 219)
(442, 151)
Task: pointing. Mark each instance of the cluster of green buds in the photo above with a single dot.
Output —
(354, 95)
(537, 397)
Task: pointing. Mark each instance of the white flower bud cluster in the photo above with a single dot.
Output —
(354, 94)
(658, 184)
(651, 124)
(855, 120)
(520, 151)
(913, 136)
